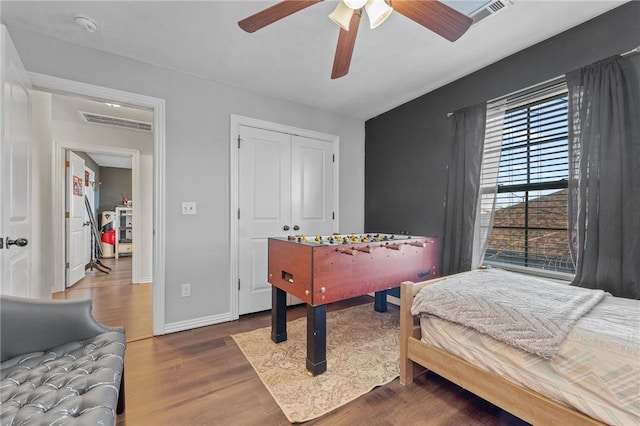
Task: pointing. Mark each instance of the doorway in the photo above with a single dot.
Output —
(157, 106)
(120, 177)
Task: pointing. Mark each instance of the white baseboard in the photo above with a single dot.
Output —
(197, 322)
(393, 300)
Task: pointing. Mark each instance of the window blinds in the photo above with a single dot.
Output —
(525, 164)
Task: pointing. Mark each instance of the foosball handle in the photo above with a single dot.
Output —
(418, 244)
(350, 252)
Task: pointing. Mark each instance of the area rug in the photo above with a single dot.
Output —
(362, 353)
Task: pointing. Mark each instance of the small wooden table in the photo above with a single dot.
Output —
(327, 269)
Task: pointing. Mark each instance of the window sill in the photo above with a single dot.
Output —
(562, 277)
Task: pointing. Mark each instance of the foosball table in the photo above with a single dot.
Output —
(324, 269)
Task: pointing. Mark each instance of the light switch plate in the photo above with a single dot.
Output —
(188, 207)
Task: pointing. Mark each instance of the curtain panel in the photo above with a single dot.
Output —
(467, 142)
(486, 205)
(604, 176)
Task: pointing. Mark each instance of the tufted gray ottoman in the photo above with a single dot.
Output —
(58, 364)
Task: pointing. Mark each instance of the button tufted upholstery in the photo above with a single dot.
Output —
(77, 382)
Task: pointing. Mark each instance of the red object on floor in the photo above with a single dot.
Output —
(109, 237)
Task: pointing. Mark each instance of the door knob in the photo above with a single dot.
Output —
(20, 242)
(285, 228)
(296, 228)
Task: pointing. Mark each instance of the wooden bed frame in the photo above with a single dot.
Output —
(530, 406)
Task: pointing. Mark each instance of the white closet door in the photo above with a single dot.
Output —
(285, 188)
(312, 186)
(265, 209)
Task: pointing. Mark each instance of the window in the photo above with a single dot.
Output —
(530, 219)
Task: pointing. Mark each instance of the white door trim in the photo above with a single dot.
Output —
(236, 121)
(157, 105)
(59, 240)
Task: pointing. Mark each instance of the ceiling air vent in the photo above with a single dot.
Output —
(107, 120)
(489, 9)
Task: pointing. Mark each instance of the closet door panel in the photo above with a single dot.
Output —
(312, 185)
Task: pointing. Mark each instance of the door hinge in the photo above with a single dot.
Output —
(66, 215)
(334, 158)
(239, 141)
(67, 163)
(66, 265)
(334, 215)
(1, 243)
(238, 283)
(238, 214)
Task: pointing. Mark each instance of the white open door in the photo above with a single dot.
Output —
(15, 172)
(75, 222)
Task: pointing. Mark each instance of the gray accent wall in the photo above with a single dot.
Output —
(407, 148)
(116, 182)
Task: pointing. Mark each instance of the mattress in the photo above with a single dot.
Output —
(596, 370)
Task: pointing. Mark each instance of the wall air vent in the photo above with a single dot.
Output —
(107, 120)
(489, 9)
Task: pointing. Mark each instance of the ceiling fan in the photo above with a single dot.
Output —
(432, 14)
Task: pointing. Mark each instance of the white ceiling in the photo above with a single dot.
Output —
(111, 160)
(292, 58)
(68, 108)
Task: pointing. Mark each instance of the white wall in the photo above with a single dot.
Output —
(197, 159)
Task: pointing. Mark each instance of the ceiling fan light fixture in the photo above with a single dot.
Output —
(355, 4)
(341, 15)
(378, 11)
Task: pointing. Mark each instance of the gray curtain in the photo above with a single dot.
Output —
(467, 142)
(604, 176)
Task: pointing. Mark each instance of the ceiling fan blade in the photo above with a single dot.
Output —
(436, 16)
(274, 13)
(344, 50)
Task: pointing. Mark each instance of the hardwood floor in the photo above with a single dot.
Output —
(116, 301)
(200, 376)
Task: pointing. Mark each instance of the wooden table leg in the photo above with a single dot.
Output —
(380, 301)
(316, 339)
(278, 315)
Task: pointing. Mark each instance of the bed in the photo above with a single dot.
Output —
(590, 377)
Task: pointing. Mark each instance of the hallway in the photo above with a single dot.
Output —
(117, 302)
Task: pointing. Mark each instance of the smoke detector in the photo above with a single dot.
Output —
(85, 22)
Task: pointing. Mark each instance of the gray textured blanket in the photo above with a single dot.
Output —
(530, 313)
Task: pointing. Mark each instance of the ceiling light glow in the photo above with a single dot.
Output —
(355, 4)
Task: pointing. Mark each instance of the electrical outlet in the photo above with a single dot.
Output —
(188, 207)
(186, 290)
